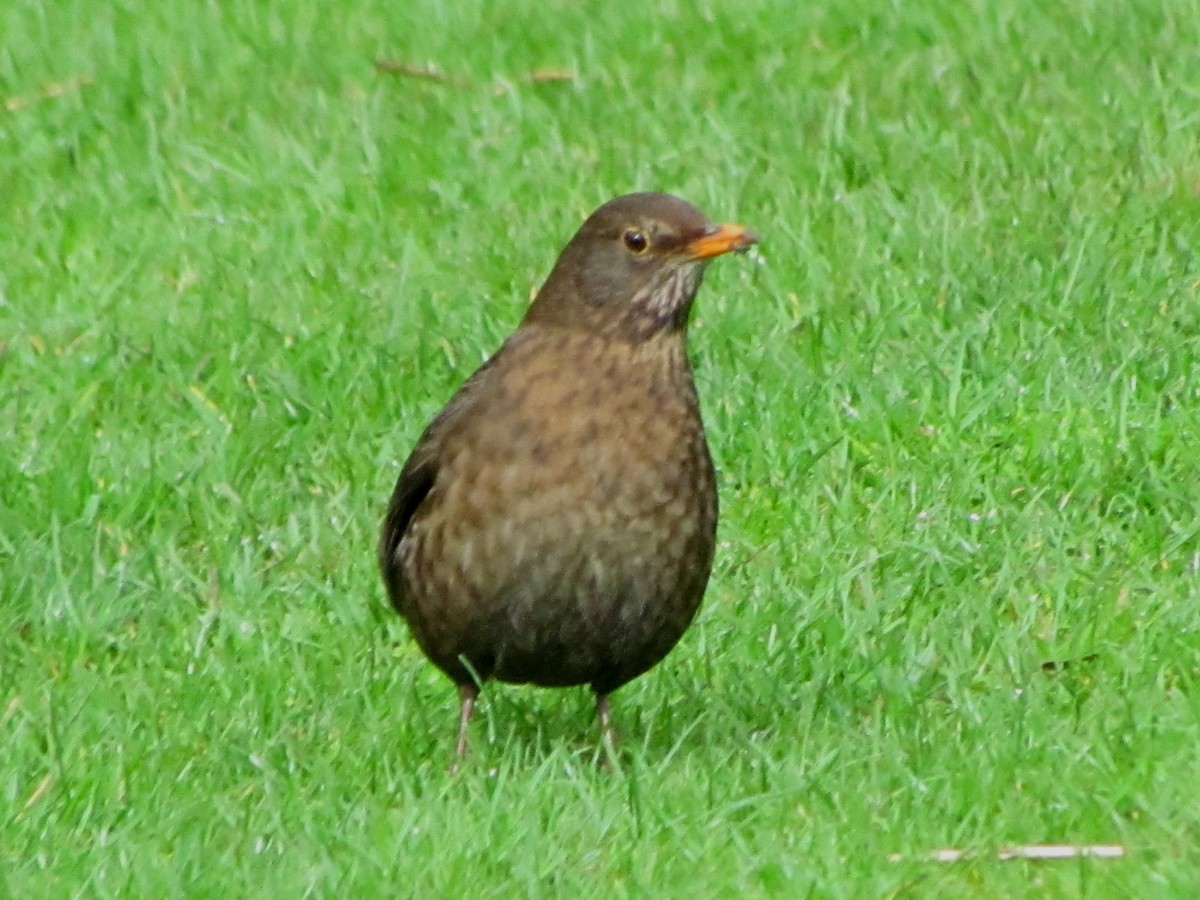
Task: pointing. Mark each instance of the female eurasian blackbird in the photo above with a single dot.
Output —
(555, 523)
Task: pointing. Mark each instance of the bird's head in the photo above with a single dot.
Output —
(633, 268)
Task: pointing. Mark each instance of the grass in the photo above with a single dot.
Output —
(955, 404)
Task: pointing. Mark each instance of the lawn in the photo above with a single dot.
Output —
(247, 249)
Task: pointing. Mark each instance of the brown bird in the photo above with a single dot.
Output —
(555, 524)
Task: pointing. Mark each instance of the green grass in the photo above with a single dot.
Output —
(955, 405)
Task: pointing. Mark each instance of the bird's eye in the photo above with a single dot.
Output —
(636, 241)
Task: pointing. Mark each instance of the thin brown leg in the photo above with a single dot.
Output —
(608, 735)
(466, 705)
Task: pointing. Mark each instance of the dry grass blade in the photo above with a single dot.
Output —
(544, 76)
(1023, 851)
(48, 92)
(427, 72)
(537, 76)
(39, 791)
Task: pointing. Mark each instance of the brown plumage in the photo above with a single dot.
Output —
(555, 523)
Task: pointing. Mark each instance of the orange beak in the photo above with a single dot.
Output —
(720, 239)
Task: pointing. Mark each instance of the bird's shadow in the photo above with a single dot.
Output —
(518, 728)
(523, 726)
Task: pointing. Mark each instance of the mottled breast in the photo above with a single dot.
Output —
(569, 533)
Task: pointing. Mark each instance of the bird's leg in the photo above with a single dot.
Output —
(608, 735)
(466, 697)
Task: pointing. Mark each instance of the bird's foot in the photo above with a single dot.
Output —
(608, 735)
(467, 694)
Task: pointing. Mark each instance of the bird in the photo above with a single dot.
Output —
(555, 523)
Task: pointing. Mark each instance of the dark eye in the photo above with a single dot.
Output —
(636, 241)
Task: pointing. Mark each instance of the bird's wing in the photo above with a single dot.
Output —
(421, 469)
(416, 478)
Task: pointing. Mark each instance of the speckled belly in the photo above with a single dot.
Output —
(590, 580)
